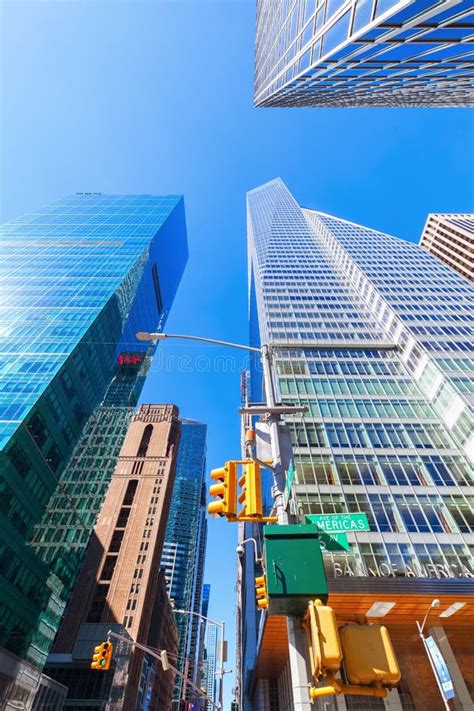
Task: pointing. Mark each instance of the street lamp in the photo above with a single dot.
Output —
(162, 656)
(273, 411)
(221, 671)
(435, 604)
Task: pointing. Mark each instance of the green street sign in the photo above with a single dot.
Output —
(335, 541)
(290, 476)
(340, 523)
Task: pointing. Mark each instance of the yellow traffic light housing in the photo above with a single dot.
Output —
(102, 657)
(324, 645)
(365, 650)
(224, 492)
(369, 657)
(251, 494)
(261, 592)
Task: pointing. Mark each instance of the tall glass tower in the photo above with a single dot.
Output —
(185, 544)
(79, 278)
(210, 653)
(363, 53)
(372, 334)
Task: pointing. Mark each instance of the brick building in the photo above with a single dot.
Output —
(121, 586)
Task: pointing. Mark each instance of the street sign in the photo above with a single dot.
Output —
(439, 664)
(290, 475)
(335, 526)
(340, 523)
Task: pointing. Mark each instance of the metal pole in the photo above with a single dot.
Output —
(144, 336)
(221, 668)
(296, 639)
(273, 420)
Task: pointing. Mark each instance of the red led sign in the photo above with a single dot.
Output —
(128, 359)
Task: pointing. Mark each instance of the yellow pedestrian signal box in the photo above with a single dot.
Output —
(102, 657)
(261, 592)
(251, 494)
(369, 657)
(224, 492)
(324, 645)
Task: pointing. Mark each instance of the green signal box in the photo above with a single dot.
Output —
(294, 568)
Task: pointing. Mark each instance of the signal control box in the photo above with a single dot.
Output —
(294, 568)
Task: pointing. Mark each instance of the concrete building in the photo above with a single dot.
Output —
(349, 53)
(120, 584)
(451, 239)
(104, 267)
(371, 334)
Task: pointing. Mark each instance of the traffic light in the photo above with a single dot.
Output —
(224, 492)
(261, 592)
(102, 656)
(369, 657)
(251, 495)
(324, 645)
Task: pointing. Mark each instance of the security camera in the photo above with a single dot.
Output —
(240, 550)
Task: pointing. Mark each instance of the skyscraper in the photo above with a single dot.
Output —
(371, 334)
(200, 670)
(184, 548)
(363, 53)
(79, 278)
(451, 238)
(119, 581)
(210, 652)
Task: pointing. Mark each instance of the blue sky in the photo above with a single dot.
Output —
(156, 97)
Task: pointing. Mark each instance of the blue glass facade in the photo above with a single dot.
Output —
(363, 53)
(185, 543)
(371, 334)
(80, 277)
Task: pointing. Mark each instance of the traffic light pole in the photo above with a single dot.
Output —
(297, 652)
(273, 421)
(296, 638)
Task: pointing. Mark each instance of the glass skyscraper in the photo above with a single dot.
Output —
(185, 544)
(373, 335)
(210, 654)
(79, 278)
(363, 53)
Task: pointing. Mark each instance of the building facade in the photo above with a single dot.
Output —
(184, 548)
(210, 656)
(81, 277)
(200, 672)
(450, 237)
(363, 53)
(370, 333)
(120, 580)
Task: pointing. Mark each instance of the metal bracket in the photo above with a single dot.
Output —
(277, 410)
